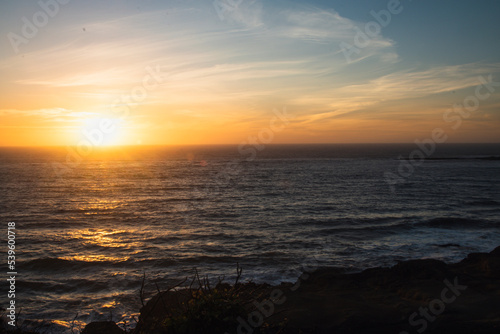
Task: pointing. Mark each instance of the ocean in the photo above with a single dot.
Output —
(89, 227)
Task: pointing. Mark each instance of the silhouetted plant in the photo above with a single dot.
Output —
(206, 309)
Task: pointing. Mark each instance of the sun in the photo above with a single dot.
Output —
(103, 131)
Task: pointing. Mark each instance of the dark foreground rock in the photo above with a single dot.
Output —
(421, 296)
(101, 327)
(412, 297)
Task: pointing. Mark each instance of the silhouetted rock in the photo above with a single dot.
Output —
(102, 327)
(413, 296)
(487, 264)
(418, 296)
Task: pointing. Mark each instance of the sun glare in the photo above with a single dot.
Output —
(103, 131)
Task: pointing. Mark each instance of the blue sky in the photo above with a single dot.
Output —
(229, 69)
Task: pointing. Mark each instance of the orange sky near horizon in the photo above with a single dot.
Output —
(184, 77)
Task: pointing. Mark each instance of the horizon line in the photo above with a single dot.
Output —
(234, 144)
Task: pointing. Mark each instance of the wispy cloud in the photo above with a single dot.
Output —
(104, 55)
(262, 55)
(410, 83)
(329, 28)
(317, 25)
(401, 85)
(53, 114)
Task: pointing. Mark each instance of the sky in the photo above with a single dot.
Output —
(179, 72)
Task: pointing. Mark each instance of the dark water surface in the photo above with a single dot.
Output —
(87, 230)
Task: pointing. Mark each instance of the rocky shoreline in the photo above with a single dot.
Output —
(417, 296)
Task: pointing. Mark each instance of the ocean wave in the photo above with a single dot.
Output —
(64, 286)
(484, 202)
(355, 222)
(54, 263)
(369, 231)
(456, 222)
